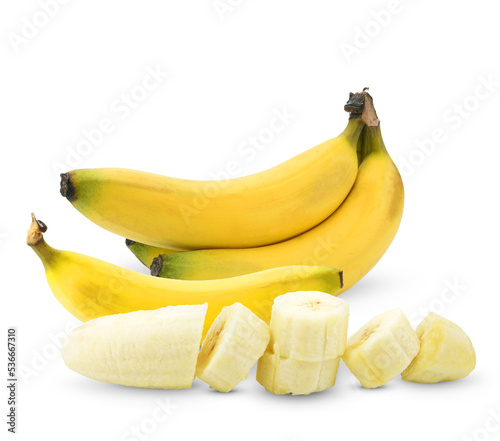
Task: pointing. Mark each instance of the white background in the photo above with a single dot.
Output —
(228, 73)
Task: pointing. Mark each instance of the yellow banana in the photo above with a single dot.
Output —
(255, 210)
(353, 238)
(90, 288)
(146, 253)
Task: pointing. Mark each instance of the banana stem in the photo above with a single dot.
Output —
(36, 241)
(353, 129)
(372, 139)
(360, 105)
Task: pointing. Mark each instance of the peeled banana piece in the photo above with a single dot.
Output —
(309, 326)
(446, 352)
(234, 343)
(281, 375)
(308, 337)
(151, 349)
(381, 349)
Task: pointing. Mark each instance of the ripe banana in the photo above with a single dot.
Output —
(353, 238)
(90, 288)
(282, 376)
(381, 349)
(146, 253)
(446, 352)
(308, 337)
(250, 211)
(234, 343)
(153, 349)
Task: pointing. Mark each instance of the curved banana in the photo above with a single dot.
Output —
(250, 211)
(90, 288)
(146, 253)
(353, 238)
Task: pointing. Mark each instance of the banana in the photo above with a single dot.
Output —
(308, 337)
(146, 253)
(309, 326)
(234, 343)
(282, 376)
(381, 349)
(90, 288)
(353, 238)
(446, 352)
(152, 349)
(250, 211)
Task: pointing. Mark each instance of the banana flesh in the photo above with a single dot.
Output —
(308, 337)
(234, 343)
(446, 352)
(281, 375)
(381, 349)
(151, 349)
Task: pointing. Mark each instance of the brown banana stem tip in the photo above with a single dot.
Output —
(156, 266)
(129, 242)
(35, 231)
(67, 187)
(360, 104)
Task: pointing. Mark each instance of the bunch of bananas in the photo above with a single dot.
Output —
(251, 271)
(319, 221)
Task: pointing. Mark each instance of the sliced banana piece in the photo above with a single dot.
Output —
(446, 352)
(281, 375)
(152, 349)
(234, 343)
(308, 336)
(381, 349)
(309, 325)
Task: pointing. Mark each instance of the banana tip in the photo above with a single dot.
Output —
(67, 188)
(156, 266)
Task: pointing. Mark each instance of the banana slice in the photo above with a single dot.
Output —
(281, 375)
(308, 336)
(446, 352)
(309, 325)
(234, 343)
(152, 349)
(381, 349)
